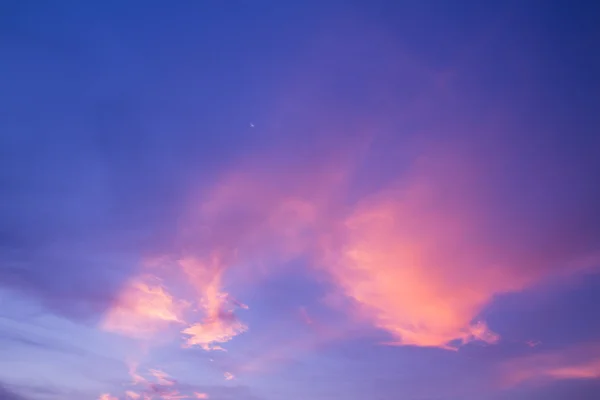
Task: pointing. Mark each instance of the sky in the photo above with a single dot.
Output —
(265, 200)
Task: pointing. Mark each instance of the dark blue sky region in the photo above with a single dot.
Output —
(266, 200)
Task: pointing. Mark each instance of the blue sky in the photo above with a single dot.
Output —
(319, 199)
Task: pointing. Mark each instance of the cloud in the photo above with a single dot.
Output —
(422, 257)
(218, 328)
(258, 214)
(146, 305)
(419, 258)
(273, 223)
(219, 324)
(136, 378)
(414, 269)
(132, 395)
(580, 362)
(143, 307)
(162, 378)
(107, 396)
(160, 385)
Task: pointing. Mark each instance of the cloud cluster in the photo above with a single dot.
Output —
(156, 384)
(420, 258)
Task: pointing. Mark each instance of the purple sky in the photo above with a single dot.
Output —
(264, 200)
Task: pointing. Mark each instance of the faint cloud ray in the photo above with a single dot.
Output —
(577, 362)
(130, 394)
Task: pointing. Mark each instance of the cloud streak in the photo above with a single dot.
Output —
(579, 362)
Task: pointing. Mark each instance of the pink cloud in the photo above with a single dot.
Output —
(579, 362)
(424, 256)
(143, 307)
(174, 395)
(161, 377)
(159, 385)
(413, 267)
(219, 324)
(260, 215)
(409, 256)
(146, 306)
(136, 378)
(419, 258)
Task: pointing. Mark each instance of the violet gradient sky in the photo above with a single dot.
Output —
(265, 200)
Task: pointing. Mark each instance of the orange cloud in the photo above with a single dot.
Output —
(143, 307)
(107, 396)
(582, 362)
(132, 395)
(201, 395)
(228, 376)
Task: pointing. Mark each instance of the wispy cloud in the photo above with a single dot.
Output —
(143, 307)
(573, 363)
(152, 383)
(162, 378)
(219, 323)
(130, 394)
